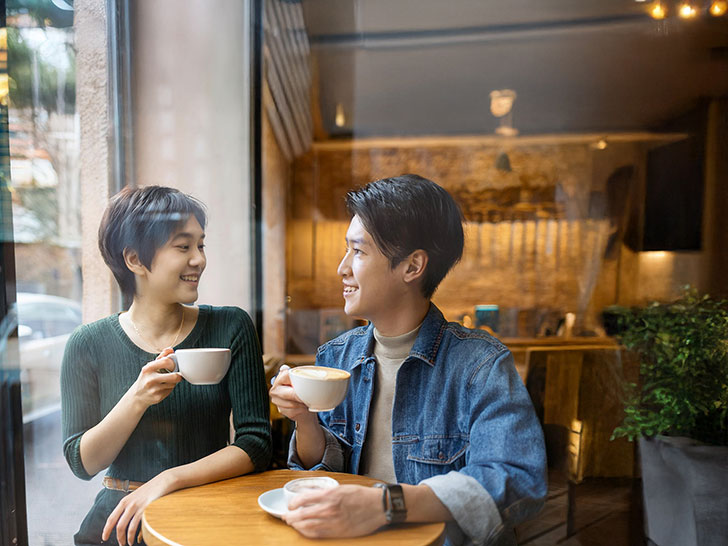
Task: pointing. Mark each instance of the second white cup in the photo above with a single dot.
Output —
(307, 485)
(201, 366)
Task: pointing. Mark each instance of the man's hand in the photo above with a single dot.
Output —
(345, 511)
(285, 398)
(310, 442)
(127, 515)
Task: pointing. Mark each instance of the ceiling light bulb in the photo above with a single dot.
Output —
(718, 8)
(340, 119)
(657, 11)
(600, 144)
(687, 11)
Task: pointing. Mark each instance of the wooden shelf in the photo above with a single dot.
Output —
(515, 344)
(556, 343)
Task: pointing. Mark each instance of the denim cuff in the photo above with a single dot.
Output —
(472, 507)
(333, 459)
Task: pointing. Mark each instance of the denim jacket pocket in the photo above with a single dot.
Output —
(439, 450)
(338, 427)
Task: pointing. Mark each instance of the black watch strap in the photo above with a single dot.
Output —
(393, 502)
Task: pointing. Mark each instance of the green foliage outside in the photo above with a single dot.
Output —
(20, 70)
(44, 12)
(683, 351)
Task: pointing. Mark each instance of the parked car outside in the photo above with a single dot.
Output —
(45, 323)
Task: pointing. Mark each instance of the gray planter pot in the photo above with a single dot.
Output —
(685, 487)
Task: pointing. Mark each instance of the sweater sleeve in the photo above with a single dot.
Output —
(80, 409)
(248, 394)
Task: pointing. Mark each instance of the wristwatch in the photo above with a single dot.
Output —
(393, 502)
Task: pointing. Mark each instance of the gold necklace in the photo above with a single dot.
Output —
(145, 340)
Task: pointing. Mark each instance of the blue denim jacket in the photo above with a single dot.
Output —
(462, 422)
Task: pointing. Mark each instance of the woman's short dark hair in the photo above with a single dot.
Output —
(143, 219)
(407, 213)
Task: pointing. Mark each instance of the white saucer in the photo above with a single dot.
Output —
(273, 502)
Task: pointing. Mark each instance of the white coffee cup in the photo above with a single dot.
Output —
(201, 366)
(319, 387)
(307, 485)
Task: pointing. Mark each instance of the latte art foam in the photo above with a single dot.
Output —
(320, 372)
(312, 484)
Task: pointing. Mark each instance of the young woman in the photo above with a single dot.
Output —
(121, 409)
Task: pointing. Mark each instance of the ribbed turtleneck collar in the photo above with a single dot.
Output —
(397, 347)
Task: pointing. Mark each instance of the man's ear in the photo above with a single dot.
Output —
(416, 265)
(132, 261)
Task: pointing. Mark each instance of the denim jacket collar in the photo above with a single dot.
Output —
(426, 345)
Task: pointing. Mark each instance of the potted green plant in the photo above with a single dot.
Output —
(679, 413)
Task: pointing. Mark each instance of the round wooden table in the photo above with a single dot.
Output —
(227, 512)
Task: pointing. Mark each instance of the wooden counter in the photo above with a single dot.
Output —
(513, 343)
(577, 391)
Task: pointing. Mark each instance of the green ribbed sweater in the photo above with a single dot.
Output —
(101, 363)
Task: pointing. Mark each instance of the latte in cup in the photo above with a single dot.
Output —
(319, 387)
(321, 372)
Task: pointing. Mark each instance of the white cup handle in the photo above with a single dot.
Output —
(173, 358)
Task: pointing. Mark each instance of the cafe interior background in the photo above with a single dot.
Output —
(585, 141)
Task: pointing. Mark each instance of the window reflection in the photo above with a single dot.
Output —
(559, 192)
(576, 139)
(45, 190)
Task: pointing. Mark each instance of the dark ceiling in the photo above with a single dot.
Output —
(426, 67)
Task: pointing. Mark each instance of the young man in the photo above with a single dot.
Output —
(432, 406)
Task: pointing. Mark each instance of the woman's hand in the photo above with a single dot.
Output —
(345, 511)
(127, 515)
(156, 380)
(228, 462)
(285, 398)
(101, 444)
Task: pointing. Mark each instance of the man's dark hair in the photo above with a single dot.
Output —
(407, 213)
(143, 219)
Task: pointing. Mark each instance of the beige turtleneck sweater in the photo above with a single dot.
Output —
(389, 353)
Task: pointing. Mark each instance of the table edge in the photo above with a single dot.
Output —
(148, 528)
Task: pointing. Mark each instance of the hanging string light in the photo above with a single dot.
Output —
(686, 10)
(657, 10)
(718, 8)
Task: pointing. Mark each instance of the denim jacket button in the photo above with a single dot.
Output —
(441, 456)
(357, 427)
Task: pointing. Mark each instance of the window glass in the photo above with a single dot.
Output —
(582, 140)
(577, 139)
(44, 184)
(188, 104)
